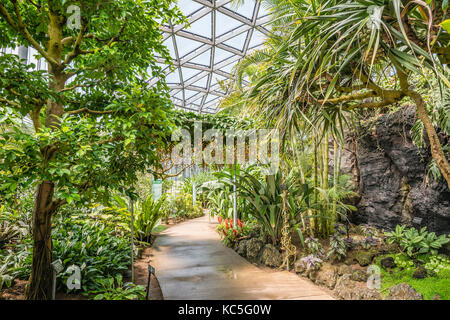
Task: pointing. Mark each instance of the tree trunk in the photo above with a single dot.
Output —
(436, 148)
(40, 282)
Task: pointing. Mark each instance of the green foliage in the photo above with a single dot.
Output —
(114, 218)
(186, 120)
(114, 289)
(265, 198)
(314, 247)
(438, 266)
(11, 228)
(105, 110)
(91, 246)
(5, 279)
(17, 260)
(220, 202)
(415, 241)
(435, 283)
(147, 214)
(181, 207)
(337, 248)
(230, 234)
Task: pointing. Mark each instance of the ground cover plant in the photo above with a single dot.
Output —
(436, 283)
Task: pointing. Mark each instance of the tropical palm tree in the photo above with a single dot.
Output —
(326, 58)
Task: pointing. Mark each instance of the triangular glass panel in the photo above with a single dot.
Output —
(186, 46)
(245, 9)
(237, 42)
(197, 98)
(202, 27)
(173, 77)
(189, 93)
(179, 95)
(264, 9)
(258, 38)
(204, 59)
(201, 82)
(225, 23)
(169, 44)
(220, 55)
(188, 6)
(188, 73)
(211, 98)
(228, 68)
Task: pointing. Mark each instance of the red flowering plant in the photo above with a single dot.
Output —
(230, 235)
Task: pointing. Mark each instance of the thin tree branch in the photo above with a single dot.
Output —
(86, 110)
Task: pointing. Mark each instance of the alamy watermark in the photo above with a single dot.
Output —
(243, 147)
(74, 20)
(374, 279)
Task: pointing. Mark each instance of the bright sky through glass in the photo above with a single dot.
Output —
(219, 35)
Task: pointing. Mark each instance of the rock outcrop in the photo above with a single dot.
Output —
(390, 174)
(271, 256)
(254, 246)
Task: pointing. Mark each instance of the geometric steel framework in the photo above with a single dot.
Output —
(220, 34)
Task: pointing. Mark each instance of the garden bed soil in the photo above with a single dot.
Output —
(141, 275)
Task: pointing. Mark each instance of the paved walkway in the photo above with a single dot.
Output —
(192, 263)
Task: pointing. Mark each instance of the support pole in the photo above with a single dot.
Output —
(194, 189)
(132, 232)
(54, 284)
(234, 197)
(132, 239)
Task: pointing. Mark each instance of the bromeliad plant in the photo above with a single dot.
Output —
(230, 236)
(147, 213)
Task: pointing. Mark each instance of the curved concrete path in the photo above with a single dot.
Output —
(192, 263)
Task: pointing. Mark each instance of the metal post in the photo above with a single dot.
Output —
(57, 267)
(54, 285)
(234, 198)
(151, 271)
(132, 231)
(148, 283)
(132, 239)
(194, 191)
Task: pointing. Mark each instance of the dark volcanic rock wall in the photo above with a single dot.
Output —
(393, 182)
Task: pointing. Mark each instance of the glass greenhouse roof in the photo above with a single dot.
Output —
(220, 34)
